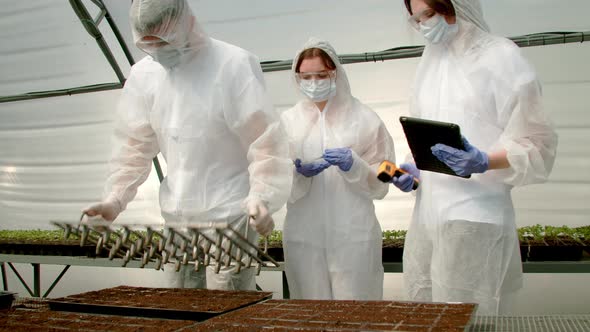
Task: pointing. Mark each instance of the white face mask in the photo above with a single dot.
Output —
(318, 90)
(437, 30)
(167, 56)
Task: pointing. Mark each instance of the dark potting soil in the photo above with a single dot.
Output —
(323, 315)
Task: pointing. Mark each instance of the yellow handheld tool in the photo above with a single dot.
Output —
(388, 170)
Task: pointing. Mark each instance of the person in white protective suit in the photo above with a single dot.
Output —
(462, 243)
(332, 239)
(202, 103)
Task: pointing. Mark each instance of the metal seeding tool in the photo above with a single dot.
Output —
(200, 244)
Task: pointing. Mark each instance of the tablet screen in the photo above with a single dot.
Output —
(422, 134)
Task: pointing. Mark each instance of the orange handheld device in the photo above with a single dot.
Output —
(388, 170)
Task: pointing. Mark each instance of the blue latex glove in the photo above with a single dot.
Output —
(462, 162)
(311, 169)
(406, 181)
(341, 157)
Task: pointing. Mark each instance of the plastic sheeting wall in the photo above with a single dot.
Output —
(53, 151)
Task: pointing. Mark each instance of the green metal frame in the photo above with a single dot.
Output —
(62, 92)
(530, 40)
(68, 261)
(4, 281)
(92, 27)
(36, 292)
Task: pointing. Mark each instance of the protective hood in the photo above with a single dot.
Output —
(171, 21)
(343, 95)
(470, 10)
(344, 122)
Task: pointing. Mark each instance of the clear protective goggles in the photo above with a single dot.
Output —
(315, 75)
(152, 44)
(421, 17)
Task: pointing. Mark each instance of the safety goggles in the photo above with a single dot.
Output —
(421, 17)
(315, 75)
(151, 45)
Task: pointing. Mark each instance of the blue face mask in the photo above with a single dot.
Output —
(318, 90)
(437, 30)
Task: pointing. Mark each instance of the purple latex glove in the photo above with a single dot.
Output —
(311, 169)
(341, 157)
(406, 181)
(462, 162)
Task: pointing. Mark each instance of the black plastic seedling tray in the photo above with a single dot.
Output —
(196, 313)
(135, 311)
(6, 299)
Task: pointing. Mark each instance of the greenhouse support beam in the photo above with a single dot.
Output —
(91, 25)
(119, 36)
(158, 169)
(100, 16)
(92, 28)
(36, 291)
(54, 283)
(107, 52)
(94, 31)
(36, 279)
(388, 267)
(286, 292)
(62, 92)
(537, 39)
(22, 281)
(4, 280)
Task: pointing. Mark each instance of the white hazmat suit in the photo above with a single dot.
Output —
(202, 103)
(462, 243)
(332, 239)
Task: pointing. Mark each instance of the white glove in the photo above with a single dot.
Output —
(260, 219)
(108, 210)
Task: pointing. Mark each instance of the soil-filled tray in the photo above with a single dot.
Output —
(43, 319)
(323, 315)
(170, 303)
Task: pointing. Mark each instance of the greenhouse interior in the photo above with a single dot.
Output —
(64, 67)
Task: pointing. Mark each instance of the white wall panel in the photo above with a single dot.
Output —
(54, 160)
(45, 47)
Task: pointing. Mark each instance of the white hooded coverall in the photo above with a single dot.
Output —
(209, 115)
(462, 243)
(332, 239)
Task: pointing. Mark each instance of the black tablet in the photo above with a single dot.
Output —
(422, 134)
